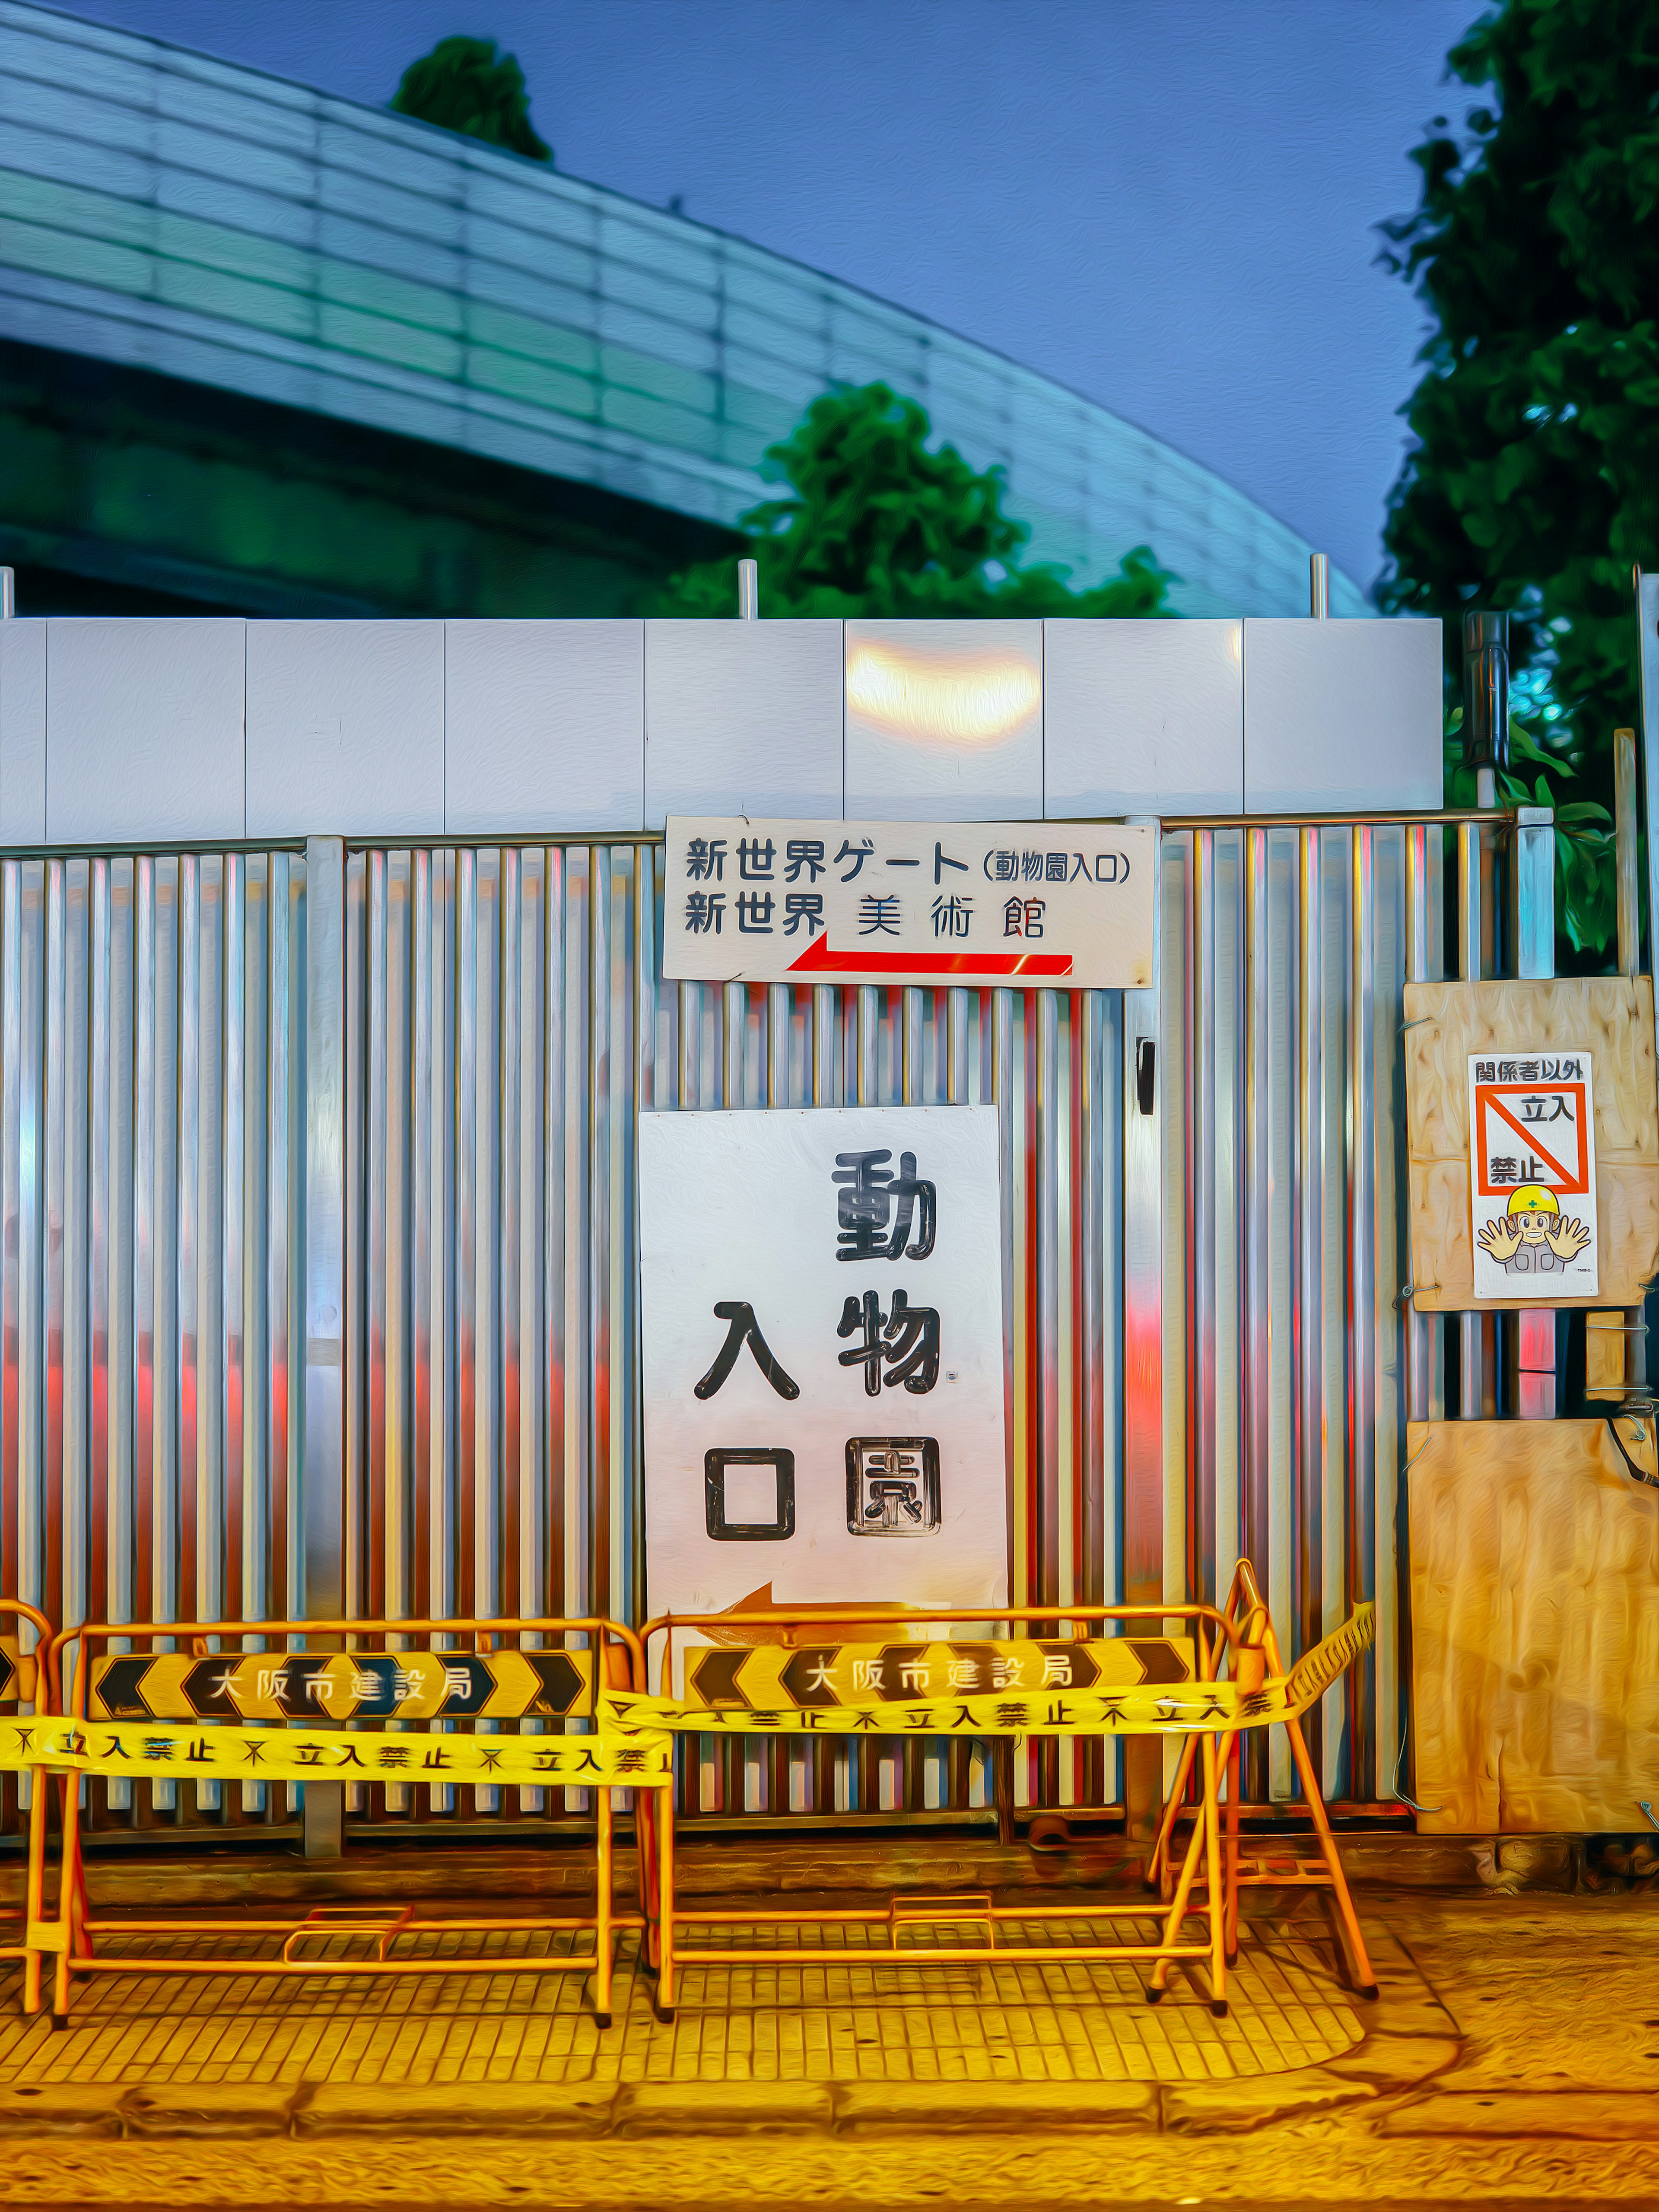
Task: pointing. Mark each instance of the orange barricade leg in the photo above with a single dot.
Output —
(1232, 1764)
(645, 1844)
(1244, 1600)
(1179, 1904)
(1002, 1785)
(1158, 1866)
(665, 1906)
(35, 1894)
(1216, 1891)
(1353, 1943)
(71, 1901)
(603, 1961)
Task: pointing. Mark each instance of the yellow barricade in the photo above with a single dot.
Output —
(847, 1702)
(332, 1720)
(775, 1671)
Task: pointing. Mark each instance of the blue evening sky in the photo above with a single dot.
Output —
(1166, 203)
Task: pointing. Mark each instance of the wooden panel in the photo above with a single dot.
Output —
(1534, 1592)
(1611, 1017)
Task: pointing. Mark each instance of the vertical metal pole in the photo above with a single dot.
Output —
(324, 1504)
(1534, 957)
(1364, 1764)
(1476, 1381)
(1630, 963)
(1319, 585)
(1143, 1342)
(1425, 1345)
(1486, 700)
(1647, 630)
(1485, 749)
(1623, 816)
(1647, 609)
(8, 593)
(748, 591)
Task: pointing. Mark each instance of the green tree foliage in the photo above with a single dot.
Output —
(465, 85)
(1586, 915)
(874, 522)
(1533, 483)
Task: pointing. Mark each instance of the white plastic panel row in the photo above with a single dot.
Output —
(140, 730)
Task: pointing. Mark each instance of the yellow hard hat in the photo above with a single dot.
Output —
(1533, 1197)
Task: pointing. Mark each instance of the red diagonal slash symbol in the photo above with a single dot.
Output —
(1573, 1179)
(819, 959)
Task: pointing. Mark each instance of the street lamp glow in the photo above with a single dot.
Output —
(968, 699)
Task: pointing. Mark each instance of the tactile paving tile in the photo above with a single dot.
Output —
(995, 2022)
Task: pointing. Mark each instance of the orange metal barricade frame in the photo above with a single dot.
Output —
(1246, 1609)
(70, 1934)
(1214, 1633)
(17, 1608)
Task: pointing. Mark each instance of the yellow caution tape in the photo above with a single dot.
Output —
(153, 1751)
(1136, 1709)
(639, 1751)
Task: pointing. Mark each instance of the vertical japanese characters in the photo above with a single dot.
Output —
(822, 1346)
(893, 1484)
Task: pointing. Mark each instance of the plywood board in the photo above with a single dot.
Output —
(1535, 1625)
(1611, 1017)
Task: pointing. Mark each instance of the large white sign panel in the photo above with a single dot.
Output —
(822, 1357)
(1065, 904)
(1531, 1175)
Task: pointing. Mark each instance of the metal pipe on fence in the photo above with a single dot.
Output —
(1485, 700)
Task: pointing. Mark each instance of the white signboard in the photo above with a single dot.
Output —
(1531, 1175)
(1060, 904)
(822, 1357)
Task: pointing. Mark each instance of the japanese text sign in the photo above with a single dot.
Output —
(1062, 904)
(1531, 1175)
(342, 1685)
(823, 1358)
(819, 1675)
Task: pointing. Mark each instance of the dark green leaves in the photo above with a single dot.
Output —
(873, 522)
(1532, 481)
(465, 85)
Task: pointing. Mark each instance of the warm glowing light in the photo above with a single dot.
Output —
(962, 699)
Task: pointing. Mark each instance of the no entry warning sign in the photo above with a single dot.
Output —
(1531, 1175)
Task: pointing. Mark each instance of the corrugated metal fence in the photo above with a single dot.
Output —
(1205, 1252)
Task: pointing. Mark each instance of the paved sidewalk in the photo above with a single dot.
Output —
(1512, 2058)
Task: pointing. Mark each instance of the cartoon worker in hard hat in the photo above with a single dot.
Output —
(1533, 1238)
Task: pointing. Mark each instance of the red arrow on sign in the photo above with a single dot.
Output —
(819, 959)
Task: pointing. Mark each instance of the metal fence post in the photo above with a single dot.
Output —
(324, 1500)
(1647, 610)
(1630, 963)
(1486, 748)
(1143, 1341)
(1534, 957)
